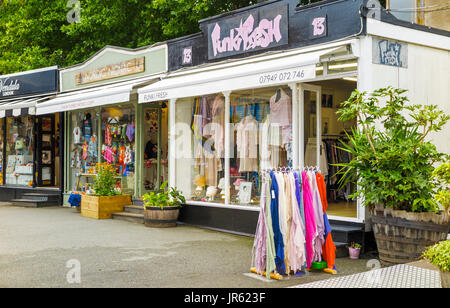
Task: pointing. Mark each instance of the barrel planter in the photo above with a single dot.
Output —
(402, 236)
(157, 217)
(103, 207)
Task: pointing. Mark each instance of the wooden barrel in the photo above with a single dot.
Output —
(402, 237)
(155, 217)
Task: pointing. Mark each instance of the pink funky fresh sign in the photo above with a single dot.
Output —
(259, 30)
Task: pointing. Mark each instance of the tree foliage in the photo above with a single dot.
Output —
(36, 33)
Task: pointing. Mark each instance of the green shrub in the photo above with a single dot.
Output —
(164, 198)
(439, 255)
(393, 162)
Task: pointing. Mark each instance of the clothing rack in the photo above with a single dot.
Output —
(293, 233)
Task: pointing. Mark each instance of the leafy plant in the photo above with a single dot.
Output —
(105, 181)
(164, 197)
(439, 255)
(392, 159)
(355, 246)
(442, 175)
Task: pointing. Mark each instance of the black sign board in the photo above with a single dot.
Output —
(255, 30)
(35, 82)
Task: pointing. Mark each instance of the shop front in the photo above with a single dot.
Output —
(103, 122)
(258, 90)
(31, 154)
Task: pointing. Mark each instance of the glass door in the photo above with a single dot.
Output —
(311, 149)
(45, 148)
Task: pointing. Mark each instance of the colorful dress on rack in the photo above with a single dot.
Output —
(278, 237)
(310, 221)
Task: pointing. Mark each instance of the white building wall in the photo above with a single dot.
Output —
(427, 79)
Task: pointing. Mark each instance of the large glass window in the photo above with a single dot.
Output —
(260, 138)
(83, 149)
(19, 151)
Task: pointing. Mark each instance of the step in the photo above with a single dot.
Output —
(33, 203)
(131, 217)
(40, 197)
(138, 202)
(347, 234)
(134, 209)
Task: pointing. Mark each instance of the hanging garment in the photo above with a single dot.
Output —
(108, 136)
(288, 218)
(87, 127)
(247, 144)
(310, 223)
(260, 243)
(130, 131)
(109, 155)
(128, 158)
(319, 239)
(218, 130)
(297, 253)
(92, 148)
(76, 135)
(75, 159)
(328, 249)
(85, 151)
(282, 207)
(278, 237)
(270, 241)
(298, 193)
(280, 111)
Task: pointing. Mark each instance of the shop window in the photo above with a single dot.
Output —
(118, 144)
(83, 149)
(19, 151)
(262, 139)
(199, 152)
(155, 146)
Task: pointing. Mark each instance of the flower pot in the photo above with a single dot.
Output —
(157, 217)
(445, 279)
(354, 253)
(103, 207)
(402, 236)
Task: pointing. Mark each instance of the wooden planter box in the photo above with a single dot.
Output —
(445, 279)
(402, 237)
(103, 207)
(155, 217)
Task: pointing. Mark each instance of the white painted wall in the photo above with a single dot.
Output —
(427, 79)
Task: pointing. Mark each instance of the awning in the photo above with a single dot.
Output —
(100, 96)
(269, 70)
(20, 107)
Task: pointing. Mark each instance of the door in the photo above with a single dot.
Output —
(45, 151)
(311, 133)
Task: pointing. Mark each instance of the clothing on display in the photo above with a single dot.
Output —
(293, 229)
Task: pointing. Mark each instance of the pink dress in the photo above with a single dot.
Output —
(310, 222)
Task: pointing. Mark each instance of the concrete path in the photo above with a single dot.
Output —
(45, 247)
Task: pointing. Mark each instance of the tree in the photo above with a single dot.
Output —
(36, 33)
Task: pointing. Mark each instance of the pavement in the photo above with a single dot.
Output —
(58, 248)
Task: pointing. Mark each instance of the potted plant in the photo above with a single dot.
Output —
(354, 251)
(439, 256)
(442, 175)
(106, 199)
(393, 164)
(162, 208)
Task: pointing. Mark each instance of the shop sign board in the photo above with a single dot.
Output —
(253, 31)
(125, 68)
(389, 53)
(37, 82)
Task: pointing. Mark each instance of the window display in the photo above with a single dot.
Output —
(19, 151)
(83, 149)
(261, 138)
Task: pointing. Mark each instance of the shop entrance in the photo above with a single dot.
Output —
(155, 137)
(47, 150)
(323, 134)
